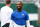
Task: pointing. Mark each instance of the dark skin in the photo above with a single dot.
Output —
(19, 4)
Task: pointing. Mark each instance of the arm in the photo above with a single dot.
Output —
(11, 21)
(11, 18)
(28, 23)
(27, 20)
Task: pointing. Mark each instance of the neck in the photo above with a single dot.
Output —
(19, 10)
(8, 5)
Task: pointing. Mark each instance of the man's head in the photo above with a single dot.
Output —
(8, 2)
(19, 5)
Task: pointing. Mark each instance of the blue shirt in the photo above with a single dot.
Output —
(20, 18)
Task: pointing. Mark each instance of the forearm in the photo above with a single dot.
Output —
(11, 23)
(28, 23)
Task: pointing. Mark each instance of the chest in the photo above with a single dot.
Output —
(19, 15)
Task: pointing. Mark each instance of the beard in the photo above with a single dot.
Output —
(19, 8)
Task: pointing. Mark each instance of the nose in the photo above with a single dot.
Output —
(18, 5)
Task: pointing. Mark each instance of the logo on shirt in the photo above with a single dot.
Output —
(22, 14)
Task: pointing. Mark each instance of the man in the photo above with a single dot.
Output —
(20, 17)
(6, 14)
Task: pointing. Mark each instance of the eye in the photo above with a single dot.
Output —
(19, 4)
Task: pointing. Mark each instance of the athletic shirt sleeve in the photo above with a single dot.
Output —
(27, 17)
(12, 16)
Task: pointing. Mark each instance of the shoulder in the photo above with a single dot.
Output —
(25, 12)
(10, 9)
(14, 12)
(2, 8)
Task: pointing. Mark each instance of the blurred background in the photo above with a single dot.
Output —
(30, 6)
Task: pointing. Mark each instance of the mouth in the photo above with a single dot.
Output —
(18, 7)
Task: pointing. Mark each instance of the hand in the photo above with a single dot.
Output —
(31, 26)
(13, 25)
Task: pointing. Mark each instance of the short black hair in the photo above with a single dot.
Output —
(8, 1)
(21, 2)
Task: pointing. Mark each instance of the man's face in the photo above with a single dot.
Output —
(19, 5)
